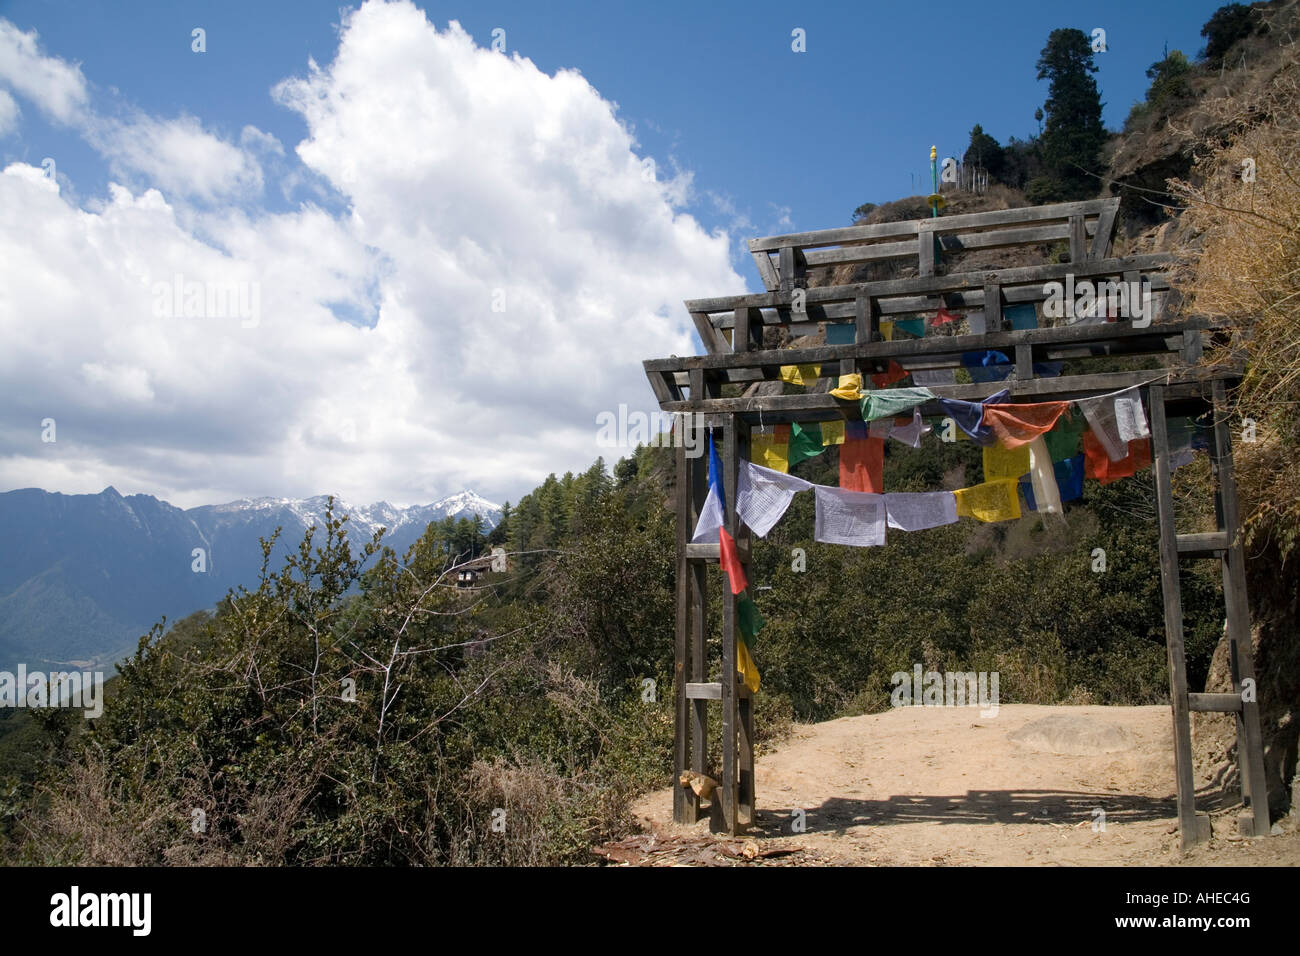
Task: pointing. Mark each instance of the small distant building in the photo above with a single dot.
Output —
(468, 574)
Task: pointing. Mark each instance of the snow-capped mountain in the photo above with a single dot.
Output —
(83, 576)
(364, 519)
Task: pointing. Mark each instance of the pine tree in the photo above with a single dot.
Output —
(1073, 136)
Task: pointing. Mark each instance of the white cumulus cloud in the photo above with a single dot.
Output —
(504, 264)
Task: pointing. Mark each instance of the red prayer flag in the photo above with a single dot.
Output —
(1017, 425)
(781, 435)
(892, 374)
(943, 316)
(1097, 463)
(862, 465)
(730, 562)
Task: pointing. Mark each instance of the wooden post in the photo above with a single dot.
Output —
(1193, 828)
(745, 799)
(1250, 746)
(992, 307)
(686, 804)
(1078, 239)
(730, 447)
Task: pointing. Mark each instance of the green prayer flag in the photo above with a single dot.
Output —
(1063, 440)
(914, 327)
(892, 401)
(749, 620)
(805, 442)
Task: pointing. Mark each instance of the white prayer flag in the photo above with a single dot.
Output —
(763, 495)
(910, 434)
(849, 517)
(1042, 477)
(1130, 419)
(921, 510)
(1100, 413)
(711, 518)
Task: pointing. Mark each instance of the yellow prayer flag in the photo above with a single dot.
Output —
(991, 501)
(850, 387)
(1003, 462)
(746, 667)
(887, 331)
(832, 433)
(763, 450)
(800, 374)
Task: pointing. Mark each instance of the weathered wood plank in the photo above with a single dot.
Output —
(1250, 746)
(1193, 828)
(1078, 239)
(1102, 238)
(766, 271)
(685, 803)
(940, 285)
(973, 220)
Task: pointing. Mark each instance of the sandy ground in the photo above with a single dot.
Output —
(939, 786)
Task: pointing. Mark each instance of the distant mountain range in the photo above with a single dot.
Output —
(83, 576)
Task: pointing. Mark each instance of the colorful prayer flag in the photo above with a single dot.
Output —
(862, 465)
(731, 562)
(1001, 462)
(763, 450)
(892, 401)
(991, 501)
(746, 667)
(800, 374)
(849, 388)
(833, 433)
(805, 442)
(1017, 425)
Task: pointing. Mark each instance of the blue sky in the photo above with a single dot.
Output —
(714, 88)
(377, 203)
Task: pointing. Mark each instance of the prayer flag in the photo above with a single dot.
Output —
(986, 366)
(849, 388)
(1105, 469)
(862, 465)
(969, 416)
(915, 512)
(849, 517)
(746, 667)
(911, 430)
(1001, 462)
(893, 373)
(1063, 439)
(913, 327)
(892, 401)
(943, 317)
(713, 511)
(833, 433)
(763, 495)
(1017, 425)
(764, 450)
(731, 562)
(991, 501)
(800, 374)
(805, 442)
(749, 620)
(1042, 477)
(1102, 414)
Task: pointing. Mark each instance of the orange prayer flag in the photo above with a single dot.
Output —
(1017, 425)
(862, 465)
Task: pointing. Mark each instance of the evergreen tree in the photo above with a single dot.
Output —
(1073, 136)
(984, 151)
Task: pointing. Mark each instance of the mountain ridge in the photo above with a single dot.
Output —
(83, 576)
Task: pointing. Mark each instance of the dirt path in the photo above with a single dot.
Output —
(944, 786)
